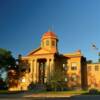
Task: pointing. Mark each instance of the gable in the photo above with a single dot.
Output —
(39, 51)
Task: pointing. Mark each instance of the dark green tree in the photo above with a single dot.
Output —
(6, 61)
(89, 61)
(57, 80)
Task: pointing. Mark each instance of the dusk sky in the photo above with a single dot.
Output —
(75, 22)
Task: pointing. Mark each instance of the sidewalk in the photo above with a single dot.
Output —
(49, 95)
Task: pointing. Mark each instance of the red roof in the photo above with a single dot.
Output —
(49, 34)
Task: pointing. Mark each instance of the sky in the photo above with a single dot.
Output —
(75, 22)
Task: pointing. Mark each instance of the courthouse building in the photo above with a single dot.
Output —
(46, 59)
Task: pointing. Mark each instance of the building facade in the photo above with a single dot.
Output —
(93, 75)
(46, 60)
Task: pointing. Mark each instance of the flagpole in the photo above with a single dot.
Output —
(95, 48)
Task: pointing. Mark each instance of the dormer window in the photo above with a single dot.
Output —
(47, 42)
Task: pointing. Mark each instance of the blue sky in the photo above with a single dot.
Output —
(76, 23)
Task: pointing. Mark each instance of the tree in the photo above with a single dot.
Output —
(16, 75)
(57, 79)
(89, 61)
(7, 61)
(99, 57)
(22, 65)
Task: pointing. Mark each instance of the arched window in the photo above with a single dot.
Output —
(53, 43)
(47, 42)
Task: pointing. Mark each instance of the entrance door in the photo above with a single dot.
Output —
(41, 70)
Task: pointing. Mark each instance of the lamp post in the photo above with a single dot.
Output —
(95, 48)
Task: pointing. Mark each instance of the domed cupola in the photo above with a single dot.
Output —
(49, 41)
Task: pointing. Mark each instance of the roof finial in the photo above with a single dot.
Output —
(50, 29)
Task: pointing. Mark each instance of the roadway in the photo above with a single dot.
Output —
(25, 96)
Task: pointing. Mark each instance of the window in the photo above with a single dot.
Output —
(96, 68)
(66, 79)
(89, 68)
(53, 43)
(47, 42)
(65, 67)
(73, 77)
(74, 66)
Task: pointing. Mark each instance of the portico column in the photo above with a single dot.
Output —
(52, 65)
(31, 70)
(35, 71)
(47, 71)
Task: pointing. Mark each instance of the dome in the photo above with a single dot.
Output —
(49, 34)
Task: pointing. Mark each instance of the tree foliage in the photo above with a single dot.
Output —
(6, 61)
(15, 76)
(99, 57)
(6, 58)
(57, 80)
(89, 61)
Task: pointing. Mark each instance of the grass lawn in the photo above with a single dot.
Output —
(48, 92)
(68, 92)
(3, 91)
(7, 92)
(60, 92)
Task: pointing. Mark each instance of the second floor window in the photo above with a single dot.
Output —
(74, 66)
(96, 68)
(89, 68)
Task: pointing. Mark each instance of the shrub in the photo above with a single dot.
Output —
(93, 91)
